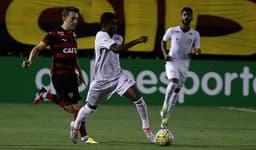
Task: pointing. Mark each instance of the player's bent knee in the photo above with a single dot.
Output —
(78, 105)
(69, 108)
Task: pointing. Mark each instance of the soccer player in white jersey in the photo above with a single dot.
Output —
(183, 39)
(109, 77)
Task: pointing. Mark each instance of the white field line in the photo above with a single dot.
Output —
(239, 109)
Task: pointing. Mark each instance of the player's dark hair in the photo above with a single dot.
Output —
(106, 18)
(66, 10)
(187, 9)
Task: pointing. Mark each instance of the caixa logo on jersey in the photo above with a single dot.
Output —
(70, 50)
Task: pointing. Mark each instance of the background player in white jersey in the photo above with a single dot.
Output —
(183, 38)
(109, 77)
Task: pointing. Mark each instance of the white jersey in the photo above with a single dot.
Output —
(181, 42)
(107, 65)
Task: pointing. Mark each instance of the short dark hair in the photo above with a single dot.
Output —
(106, 18)
(66, 10)
(188, 9)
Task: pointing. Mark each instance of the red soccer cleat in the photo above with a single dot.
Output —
(39, 95)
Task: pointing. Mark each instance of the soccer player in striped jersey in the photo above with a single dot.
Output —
(63, 44)
(109, 77)
(183, 38)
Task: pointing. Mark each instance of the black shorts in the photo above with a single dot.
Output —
(66, 86)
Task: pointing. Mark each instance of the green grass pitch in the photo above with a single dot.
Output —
(117, 127)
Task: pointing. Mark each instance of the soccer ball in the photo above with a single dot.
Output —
(164, 137)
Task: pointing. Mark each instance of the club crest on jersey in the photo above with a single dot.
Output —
(70, 50)
(71, 95)
(189, 41)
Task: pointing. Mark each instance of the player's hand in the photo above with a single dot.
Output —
(81, 78)
(168, 58)
(197, 51)
(26, 64)
(142, 39)
(189, 55)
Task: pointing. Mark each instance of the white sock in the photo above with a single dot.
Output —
(44, 95)
(169, 92)
(172, 103)
(143, 112)
(82, 114)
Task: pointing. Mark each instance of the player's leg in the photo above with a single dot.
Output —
(58, 84)
(79, 123)
(127, 88)
(172, 76)
(170, 94)
(71, 88)
(94, 97)
(43, 95)
(72, 99)
(173, 100)
(82, 129)
(178, 71)
(141, 106)
(77, 106)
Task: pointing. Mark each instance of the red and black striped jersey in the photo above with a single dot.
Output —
(64, 50)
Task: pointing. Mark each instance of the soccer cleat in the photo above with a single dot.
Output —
(88, 140)
(73, 133)
(39, 95)
(150, 135)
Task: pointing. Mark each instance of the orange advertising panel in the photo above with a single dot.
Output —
(227, 27)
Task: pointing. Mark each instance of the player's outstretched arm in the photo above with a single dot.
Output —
(33, 54)
(117, 48)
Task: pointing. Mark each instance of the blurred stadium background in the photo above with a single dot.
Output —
(223, 75)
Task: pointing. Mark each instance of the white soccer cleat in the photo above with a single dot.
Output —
(73, 133)
(150, 135)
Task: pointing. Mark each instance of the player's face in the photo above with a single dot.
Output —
(186, 17)
(113, 26)
(71, 20)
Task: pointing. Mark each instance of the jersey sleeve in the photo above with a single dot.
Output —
(167, 35)
(48, 38)
(197, 40)
(104, 40)
(118, 38)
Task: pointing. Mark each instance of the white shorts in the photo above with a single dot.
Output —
(103, 90)
(177, 69)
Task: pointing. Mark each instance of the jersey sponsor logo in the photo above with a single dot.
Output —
(70, 50)
(64, 40)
